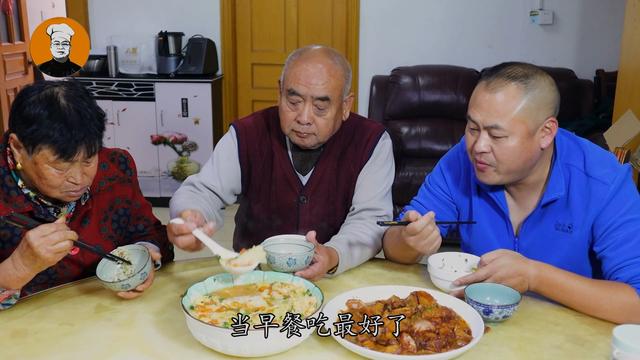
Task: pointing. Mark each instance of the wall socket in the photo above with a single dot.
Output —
(541, 17)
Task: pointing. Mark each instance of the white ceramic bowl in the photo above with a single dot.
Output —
(289, 252)
(372, 293)
(254, 344)
(446, 267)
(124, 277)
(625, 343)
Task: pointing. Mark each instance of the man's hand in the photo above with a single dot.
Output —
(132, 294)
(503, 267)
(43, 246)
(180, 234)
(324, 259)
(422, 234)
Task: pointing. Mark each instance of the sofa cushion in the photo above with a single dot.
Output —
(425, 138)
(410, 173)
(429, 91)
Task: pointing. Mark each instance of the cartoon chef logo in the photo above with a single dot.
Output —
(59, 47)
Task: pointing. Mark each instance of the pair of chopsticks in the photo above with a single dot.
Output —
(25, 222)
(402, 223)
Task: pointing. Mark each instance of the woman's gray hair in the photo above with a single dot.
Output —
(332, 54)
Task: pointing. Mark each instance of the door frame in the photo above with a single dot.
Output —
(16, 83)
(78, 10)
(229, 56)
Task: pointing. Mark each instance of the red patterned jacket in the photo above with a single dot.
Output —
(116, 214)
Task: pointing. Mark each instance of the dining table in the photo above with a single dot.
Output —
(83, 320)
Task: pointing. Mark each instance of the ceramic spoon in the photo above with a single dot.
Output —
(217, 249)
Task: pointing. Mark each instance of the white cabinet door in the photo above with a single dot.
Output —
(109, 138)
(184, 108)
(135, 121)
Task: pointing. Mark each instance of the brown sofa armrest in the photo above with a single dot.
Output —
(378, 97)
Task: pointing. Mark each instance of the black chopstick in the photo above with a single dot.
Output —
(402, 223)
(25, 222)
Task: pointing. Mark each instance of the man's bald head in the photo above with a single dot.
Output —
(315, 51)
(540, 96)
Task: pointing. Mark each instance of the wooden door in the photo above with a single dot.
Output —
(628, 84)
(78, 10)
(16, 68)
(259, 34)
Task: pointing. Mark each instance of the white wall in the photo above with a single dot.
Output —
(585, 35)
(148, 17)
(41, 10)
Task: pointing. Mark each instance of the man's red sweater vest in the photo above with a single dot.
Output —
(273, 199)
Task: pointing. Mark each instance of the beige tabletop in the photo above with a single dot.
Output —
(85, 321)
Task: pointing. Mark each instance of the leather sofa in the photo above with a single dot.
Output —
(424, 110)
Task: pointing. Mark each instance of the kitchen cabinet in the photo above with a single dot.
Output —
(138, 108)
(184, 108)
(109, 137)
(129, 124)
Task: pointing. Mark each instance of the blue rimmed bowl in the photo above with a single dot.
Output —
(254, 343)
(494, 302)
(288, 253)
(125, 277)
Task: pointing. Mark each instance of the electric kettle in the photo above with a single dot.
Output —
(168, 51)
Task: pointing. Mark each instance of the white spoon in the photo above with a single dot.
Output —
(215, 248)
(227, 257)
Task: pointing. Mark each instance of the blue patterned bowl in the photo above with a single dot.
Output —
(494, 302)
(124, 277)
(288, 253)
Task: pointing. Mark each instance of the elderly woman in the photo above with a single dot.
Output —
(54, 169)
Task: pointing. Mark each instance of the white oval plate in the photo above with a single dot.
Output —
(372, 293)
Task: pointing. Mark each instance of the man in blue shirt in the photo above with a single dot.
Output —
(555, 214)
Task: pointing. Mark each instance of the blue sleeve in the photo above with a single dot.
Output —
(438, 190)
(616, 232)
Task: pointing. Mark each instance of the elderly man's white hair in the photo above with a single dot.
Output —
(333, 55)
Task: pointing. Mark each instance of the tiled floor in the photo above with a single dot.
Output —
(224, 235)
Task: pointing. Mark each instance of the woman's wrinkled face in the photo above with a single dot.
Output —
(54, 178)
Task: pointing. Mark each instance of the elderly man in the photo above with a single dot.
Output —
(556, 215)
(60, 65)
(307, 166)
